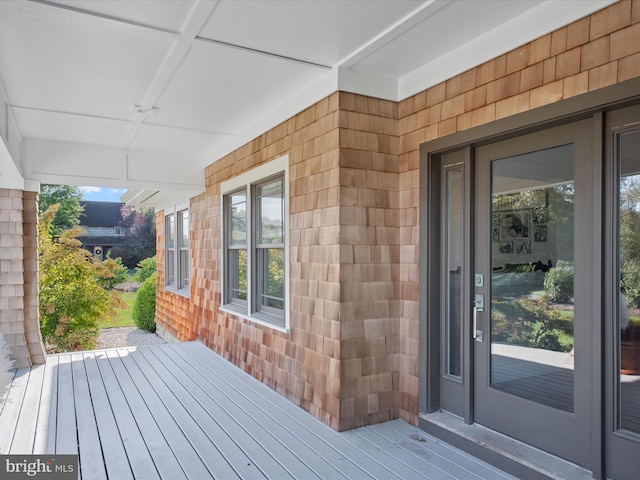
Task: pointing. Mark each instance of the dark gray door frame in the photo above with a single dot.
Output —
(590, 105)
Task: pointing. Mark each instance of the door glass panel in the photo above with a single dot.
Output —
(532, 343)
(629, 280)
(454, 250)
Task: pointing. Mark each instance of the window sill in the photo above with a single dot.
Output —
(254, 318)
(183, 292)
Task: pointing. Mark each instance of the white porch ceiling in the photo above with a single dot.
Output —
(97, 92)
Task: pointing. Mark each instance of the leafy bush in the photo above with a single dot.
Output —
(145, 269)
(630, 281)
(144, 309)
(558, 282)
(531, 323)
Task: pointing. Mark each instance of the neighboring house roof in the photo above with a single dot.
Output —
(101, 214)
(102, 241)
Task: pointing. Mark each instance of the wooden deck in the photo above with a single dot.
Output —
(179, 411)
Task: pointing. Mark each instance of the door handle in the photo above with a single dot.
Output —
(475, 322)
(478, 306)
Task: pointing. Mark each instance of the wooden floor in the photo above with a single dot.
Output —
(179, 411)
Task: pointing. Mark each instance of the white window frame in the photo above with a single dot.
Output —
(245, 182)
(177, 286)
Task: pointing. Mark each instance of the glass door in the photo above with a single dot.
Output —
(622, 417)
(451, 184)
(532, 321)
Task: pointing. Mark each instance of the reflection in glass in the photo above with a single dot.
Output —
(271, 278)
(183, 216)
(170, 250)
(238, 275)
(532, 276)
(237, 205)
(271, 212)
(454, 222)
(270, 246)
(183, 239)
(629, 280)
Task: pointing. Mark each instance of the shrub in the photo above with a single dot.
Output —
(145, 269)
(531, 323)
(630, 282)
(558, 282)
(144, 309)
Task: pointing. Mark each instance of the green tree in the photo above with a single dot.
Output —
(72, 288)
(140, 243)
(112, 272)
(145, 269)
(68, 199)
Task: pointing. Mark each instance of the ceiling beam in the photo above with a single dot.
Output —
(69, 163)
(184, 41)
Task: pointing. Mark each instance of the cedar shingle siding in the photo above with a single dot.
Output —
(351, 357)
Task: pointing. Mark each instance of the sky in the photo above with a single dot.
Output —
(101, 194)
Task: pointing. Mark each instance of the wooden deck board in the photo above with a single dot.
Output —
(222, 411)
(137, 453)
(179, 411)
(66, 431)
(24, 437)
(307, 426)
(187, 456)
(45, 434)
(456, 463)
(12, 406)
(5, 392)
(113, 448)
(185, 393)
(303, 461)
(304, 426)
(216, 463)
(88, 437)
(164, 458)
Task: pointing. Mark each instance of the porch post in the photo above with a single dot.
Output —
(19, 315)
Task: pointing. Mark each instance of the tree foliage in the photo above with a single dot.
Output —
(112, 272)
(68, 199)
(629, 239)
(141, 236)
(145, 269)
(74, 288)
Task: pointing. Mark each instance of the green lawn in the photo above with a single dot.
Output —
(122, 318)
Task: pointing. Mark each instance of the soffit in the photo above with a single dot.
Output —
(201, 78)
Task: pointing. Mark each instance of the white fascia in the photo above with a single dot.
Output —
(535, 23)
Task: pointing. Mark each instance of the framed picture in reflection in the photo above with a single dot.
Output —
(505, 247)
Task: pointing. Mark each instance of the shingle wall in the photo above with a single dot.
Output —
(351, 357)
(19, 318)
(594, 52)
(303, 365)
(369, 260)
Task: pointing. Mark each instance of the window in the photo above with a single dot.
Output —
(255, 280)
(170, 253)
(177, 255)
(183, 247)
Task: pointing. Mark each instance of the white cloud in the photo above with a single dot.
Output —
(90, 189)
